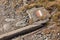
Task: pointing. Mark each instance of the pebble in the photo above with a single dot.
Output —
(9, 20)
(7, 27)
(21, 23)
(58, 33)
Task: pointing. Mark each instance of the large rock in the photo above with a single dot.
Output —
(38, 13)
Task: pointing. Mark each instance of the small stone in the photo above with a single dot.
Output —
(6, 27)
(46, 39)
(58, 33)
(21, 23)
(9, 19)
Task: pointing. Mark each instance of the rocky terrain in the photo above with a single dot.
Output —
(51, 33)
(15, 14)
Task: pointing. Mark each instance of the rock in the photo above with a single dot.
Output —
(42, 13)
(6, 27)
(38, 14)
(21, 23)
(9, 20)
(31, 14)
(25, 2)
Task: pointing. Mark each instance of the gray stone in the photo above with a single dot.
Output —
(9, 20)
(21, 23)
(7, 27)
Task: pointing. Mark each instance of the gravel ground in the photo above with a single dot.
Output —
(11, 19)
(16, 14)
(50, 33)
